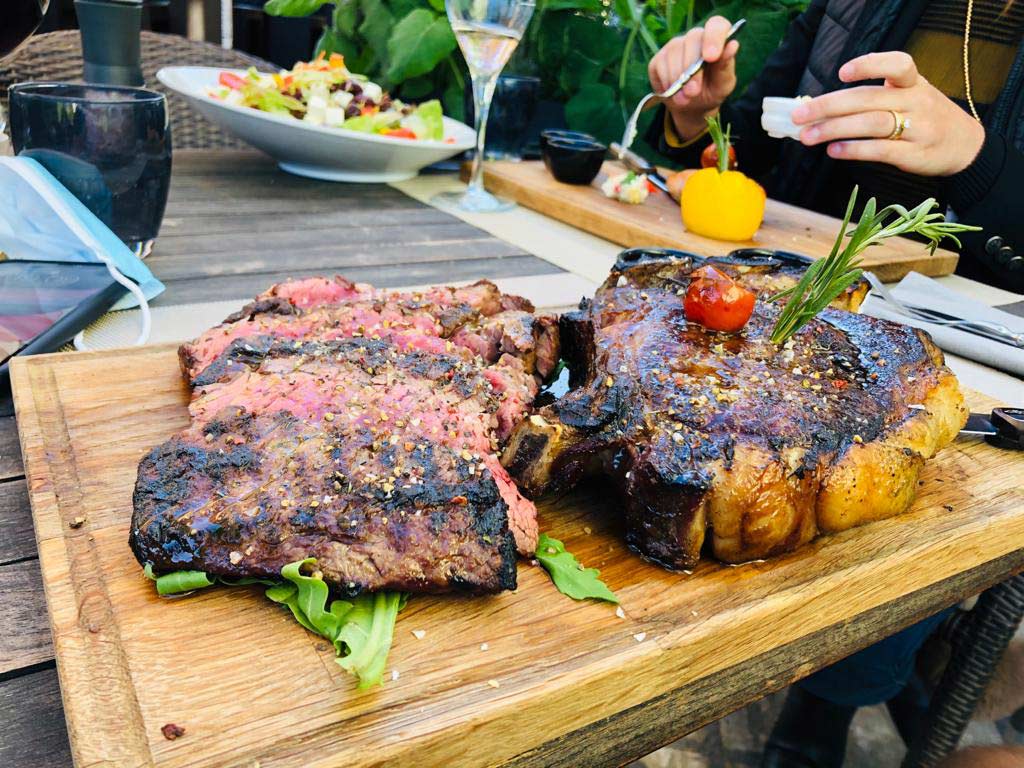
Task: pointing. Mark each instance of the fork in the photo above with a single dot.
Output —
(629, 136)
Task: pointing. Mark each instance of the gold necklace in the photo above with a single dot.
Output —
(967, 60)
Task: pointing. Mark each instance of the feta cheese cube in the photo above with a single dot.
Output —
(341, 98)
(334, 116)
(373, 91)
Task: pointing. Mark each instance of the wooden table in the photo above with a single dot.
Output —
(230, 231)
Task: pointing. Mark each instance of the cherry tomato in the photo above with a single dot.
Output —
(716, 301)
(400, 133)
(231, 80)
(651, 189)
(709, 157)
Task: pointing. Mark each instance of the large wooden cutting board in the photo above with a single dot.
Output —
(573, 684)
(658, 222)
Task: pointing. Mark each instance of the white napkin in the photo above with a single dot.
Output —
(920, 291)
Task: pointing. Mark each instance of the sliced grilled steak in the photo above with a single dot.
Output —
(378, 460)
(727, 436)
(478, 316)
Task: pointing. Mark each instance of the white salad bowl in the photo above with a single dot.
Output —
(332, 154)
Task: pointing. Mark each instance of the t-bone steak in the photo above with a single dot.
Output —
(357, 426)
(728, 440)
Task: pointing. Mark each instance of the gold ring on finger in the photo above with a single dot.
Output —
(899, 125)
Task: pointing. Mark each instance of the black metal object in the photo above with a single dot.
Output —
(978, 639)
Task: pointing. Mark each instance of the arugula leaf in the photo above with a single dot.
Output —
(569, 576)
(367, 634)
(361, 631)
(181, 581)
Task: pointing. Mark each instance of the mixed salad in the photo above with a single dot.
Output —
(323, 92)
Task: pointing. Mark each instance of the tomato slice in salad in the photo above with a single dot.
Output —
(400, 133)
(716, 301)
(231, 80)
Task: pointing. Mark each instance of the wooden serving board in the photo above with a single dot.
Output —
(573, 684)
(658, 222)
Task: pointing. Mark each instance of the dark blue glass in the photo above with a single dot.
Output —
(508, 122)
(109, 145)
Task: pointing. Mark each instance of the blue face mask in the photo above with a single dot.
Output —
(41, 220)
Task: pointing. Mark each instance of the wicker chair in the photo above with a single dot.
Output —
(58, 56)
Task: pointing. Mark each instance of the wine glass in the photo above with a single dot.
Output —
(488, 31)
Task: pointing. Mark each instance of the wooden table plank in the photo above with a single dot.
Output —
(230, 222)
(17, 540)
(645, 728)
(25, 639)
(10, 451)
(265, 251)
(32, 732)
(385, 276)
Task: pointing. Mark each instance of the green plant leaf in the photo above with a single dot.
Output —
(569, 576)
(418, 43)
(583, 6)
(376, 29)
(595, 109)
(592, 48)
(417, 87)
(293, 7)
(452, 101)
(346, 17)
(332, 41)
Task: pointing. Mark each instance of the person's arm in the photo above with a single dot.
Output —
(780, 76)
(987, 194)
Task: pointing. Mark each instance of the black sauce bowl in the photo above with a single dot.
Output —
(574, 161)
(559, 133)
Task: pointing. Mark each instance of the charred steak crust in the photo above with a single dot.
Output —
(726, 439)
(378, 461)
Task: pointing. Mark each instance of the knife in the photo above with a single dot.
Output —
(637, 164)
(1004, 427)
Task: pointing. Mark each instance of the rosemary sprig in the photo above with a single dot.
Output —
(827, 278)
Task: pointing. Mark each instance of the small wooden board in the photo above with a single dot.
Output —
(658, 223)
(575, 685)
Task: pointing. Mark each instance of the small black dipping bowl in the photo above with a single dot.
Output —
(559, 133)
(574, 161)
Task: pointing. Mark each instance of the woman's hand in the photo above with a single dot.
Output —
(940, 138)
(701, 97)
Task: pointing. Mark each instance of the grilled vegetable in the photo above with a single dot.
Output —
(721, 203)
(717, 302)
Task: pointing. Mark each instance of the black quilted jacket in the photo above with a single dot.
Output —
(830, 33)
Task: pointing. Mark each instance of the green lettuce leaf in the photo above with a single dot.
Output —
(361, 631)
(374, 123)
(270, 100)
(569, 576)
(426, 121)
(182, 581)
(367, 634)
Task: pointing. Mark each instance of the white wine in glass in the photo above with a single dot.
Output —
(488, 32)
